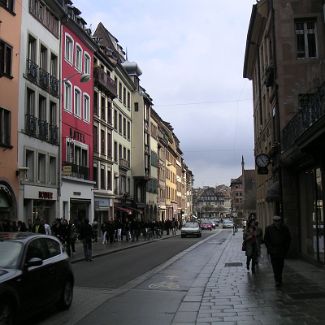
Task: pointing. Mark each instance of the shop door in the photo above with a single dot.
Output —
(318, 218)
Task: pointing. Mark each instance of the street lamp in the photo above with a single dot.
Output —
(85, 77)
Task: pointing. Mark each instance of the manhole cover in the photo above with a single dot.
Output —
(307, 295)
(233, 264)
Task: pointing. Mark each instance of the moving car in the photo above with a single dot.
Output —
(206, 225)
(191, 229)
(34, 272)
(227, 224)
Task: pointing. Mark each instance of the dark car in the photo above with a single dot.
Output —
(35, 272)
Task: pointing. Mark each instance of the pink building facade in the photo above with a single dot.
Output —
(76, 200)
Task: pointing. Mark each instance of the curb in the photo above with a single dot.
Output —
(115, 250)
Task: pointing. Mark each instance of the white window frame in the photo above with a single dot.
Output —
(77, 109)
(68, 98)
(68, 55)
(86, 108)
(87, 63)
(78, 59)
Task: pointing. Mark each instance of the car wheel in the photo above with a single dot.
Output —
(6, 313)
(182, 236)
(66, 295)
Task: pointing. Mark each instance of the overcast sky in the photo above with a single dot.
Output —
(191, 54)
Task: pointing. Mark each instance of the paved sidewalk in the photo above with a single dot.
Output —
(100, 249)
(226, 293)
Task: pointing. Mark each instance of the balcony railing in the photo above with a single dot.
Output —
(105, 82)
(74, 170)
(40, 129)
(42, 78)
(124, 164)
(312, 110)
(53, 134)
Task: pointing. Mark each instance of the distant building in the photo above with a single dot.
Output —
(212, 202)
(243, 193)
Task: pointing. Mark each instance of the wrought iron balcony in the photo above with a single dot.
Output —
(30, 125)
(42, 78)
(74, 170)
(41, 129)
(105, 82)
(53, 134)
(124, 164)
(312, 111)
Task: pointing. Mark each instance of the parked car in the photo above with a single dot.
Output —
(35, 272)
(227, 224)
(191, 229)
(206, 225)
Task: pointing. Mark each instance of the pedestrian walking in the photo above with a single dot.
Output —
(249, 238)
(277, 240)
(259, 240)
(86, 236)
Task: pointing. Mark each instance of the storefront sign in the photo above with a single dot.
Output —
(45, 195)
(66, 170)
(40, 193)
(103, 203)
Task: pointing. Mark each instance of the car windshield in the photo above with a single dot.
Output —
(190, 225)
(10, 252)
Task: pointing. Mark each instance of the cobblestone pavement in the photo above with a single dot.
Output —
(226, 293)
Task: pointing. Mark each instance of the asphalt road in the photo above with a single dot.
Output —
(115, 270)
(118, 286)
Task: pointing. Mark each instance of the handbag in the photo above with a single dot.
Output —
(243, 246)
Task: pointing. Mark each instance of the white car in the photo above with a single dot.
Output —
(191, 229)
(227, 224)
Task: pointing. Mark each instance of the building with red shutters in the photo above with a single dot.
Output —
(76, 197)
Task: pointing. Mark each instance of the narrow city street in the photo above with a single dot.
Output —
(205, 283)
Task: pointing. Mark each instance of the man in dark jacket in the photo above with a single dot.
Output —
(277, 239)
(86, 236)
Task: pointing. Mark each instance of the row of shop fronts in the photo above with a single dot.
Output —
(43, 203)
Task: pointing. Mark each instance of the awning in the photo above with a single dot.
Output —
(128, 211)
(136, 210)
(273, 192)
